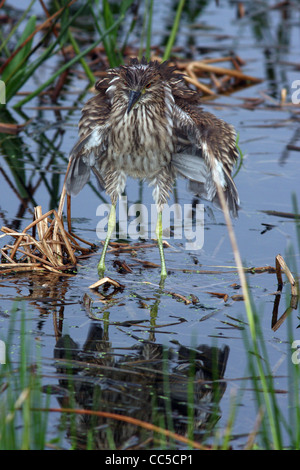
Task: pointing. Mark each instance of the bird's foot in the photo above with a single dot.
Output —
(162, 282)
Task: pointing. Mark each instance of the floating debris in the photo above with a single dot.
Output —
(237, 297)
(179, 297)
(122, 267)
(105, 280)
(220, 295)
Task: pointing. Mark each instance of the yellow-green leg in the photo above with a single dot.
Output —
(158, 231)
(110, 228)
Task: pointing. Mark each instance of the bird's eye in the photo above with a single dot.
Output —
(148, 85)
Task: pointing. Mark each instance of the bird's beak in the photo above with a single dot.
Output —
(133, 98)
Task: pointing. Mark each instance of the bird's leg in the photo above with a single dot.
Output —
(158, 231)
(162, 183)
(110, 228)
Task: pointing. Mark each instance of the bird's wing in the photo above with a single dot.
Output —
(91, 146)
(206, 153)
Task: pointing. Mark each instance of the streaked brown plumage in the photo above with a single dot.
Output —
(146, 123)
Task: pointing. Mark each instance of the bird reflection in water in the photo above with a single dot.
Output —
(147, 381)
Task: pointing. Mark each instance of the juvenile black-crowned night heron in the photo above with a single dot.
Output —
(146, 123)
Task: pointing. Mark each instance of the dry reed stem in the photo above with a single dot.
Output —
(53, 251)
(281, 264)
(192, 78)
(131, 420)
(253, 434)
(281, 320)
(236, 252)
(60, 211)
(65, 238)
(201, 66)
(194, 69)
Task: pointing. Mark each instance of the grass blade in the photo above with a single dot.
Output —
(66, 66)
(17, 63)
(173, 34)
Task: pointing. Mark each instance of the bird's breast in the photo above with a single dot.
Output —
(141, 142)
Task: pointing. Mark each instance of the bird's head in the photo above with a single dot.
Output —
(139, 83)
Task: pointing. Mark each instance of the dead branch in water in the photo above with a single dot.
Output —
(44, 245)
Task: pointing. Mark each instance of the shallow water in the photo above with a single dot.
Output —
(114, 341)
